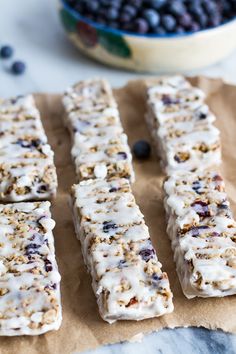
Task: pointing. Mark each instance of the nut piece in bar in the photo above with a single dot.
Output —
(181, 125)
(27, 170)
(202, 231)
(29, 279)
(126, 275)
(100, 148)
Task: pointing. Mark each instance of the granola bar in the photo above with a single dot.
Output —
(27, 170)
(100, 148)
(126, 274)
(181, 126)
(202, 231)
(29, 278)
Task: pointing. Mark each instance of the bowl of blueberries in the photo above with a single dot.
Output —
(152, 35)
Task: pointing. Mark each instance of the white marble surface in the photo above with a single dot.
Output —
(33, 28)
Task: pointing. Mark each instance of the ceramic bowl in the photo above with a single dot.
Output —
(148, 53)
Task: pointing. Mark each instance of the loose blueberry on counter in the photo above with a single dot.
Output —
(6, 51)
(18, 67)
(141, 149)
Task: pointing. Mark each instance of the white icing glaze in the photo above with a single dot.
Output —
(202, 231)
(181, 126)
(97, 133)
(27, 170)
(127, 277)
(29, 278)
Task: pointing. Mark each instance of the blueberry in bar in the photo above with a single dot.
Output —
(181, 125)
(29, 279)
(126, 275)
(27, 170)
(202, 232)
(100, 148)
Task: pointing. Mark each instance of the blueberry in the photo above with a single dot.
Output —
(194, 27)
(92, 5)
(185, 20)
(201, 208)
(141, 149)
(109, 225)
(167, 100)
(141, 26)
(202, 115)
(129, 9)
(42, 189)
(159, 30)
(136, 3)
(48, 265)
(122, 155)
(32, 248)
(179, 30)
(156, 277)
(6, 51)
(147, 254)
(125, 17)
(152, 17)
(113, 189)
(177, 8)
(112, 13)
(157, 4)
(168, 22)
(196, 186)
(18, 67)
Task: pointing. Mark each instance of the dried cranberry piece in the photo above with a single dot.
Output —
(48, 265)
(201, 208)
(217, 178)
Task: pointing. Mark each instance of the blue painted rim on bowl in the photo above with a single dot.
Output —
(150, 35)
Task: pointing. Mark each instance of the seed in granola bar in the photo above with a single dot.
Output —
(201, 208)
(147, 254)
(109, 225)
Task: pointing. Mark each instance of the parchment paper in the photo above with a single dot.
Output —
(82, 327)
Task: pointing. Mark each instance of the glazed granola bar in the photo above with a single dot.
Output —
(100, 148)
(27, 170)
(203, 233)
(29, 278)
(126, 274)
(181, 126)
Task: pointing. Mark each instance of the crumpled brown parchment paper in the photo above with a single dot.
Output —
(82, 328)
